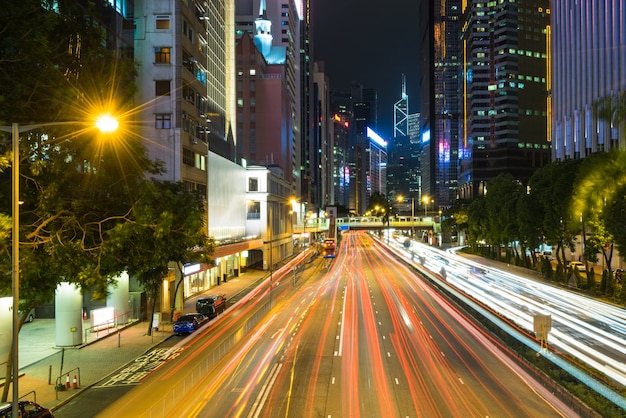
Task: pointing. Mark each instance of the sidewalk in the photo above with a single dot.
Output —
(41, 362)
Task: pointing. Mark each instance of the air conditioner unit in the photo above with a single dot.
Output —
(194, 140)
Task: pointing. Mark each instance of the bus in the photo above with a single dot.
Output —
(329, 246)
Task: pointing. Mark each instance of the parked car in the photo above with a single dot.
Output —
(577, 265)
(211, 305)
(30, 317)
(190, 322)
(27, 410)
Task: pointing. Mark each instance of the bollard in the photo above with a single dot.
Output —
(74, 383)
(67, 381)
(50, 375)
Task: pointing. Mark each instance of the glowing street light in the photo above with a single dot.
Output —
(426, 200)
(105, 124)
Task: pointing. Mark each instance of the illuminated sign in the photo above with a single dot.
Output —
(191, 268)
(375, 137)
(426, 136)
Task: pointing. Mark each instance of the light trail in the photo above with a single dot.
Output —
(588, 330)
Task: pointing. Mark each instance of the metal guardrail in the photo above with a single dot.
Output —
(106, 328)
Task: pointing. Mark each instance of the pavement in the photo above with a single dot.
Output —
(43, 365)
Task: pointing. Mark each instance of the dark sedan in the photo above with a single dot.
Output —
(211, 305)
(190, 322)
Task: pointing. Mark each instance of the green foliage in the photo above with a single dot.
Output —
(378, 205)
(546, 268)
(167, 224)
(552, 187)
(604, 281)
(591, 279)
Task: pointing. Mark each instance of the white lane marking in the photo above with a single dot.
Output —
(343, 321)
(265, 391)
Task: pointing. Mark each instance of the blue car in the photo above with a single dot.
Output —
(190, 322)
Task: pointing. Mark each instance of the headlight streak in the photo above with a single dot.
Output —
(566, 327)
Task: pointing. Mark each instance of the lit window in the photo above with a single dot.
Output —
(252, 71)
(162, 55)
(162, 22)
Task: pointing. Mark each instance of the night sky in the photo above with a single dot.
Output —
(372, 42)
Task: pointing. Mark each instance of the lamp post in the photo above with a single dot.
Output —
(105, 123)
(269, 234)
(426, 201)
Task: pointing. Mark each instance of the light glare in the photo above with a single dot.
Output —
(107, 123)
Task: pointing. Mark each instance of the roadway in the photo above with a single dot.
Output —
(591, 331)
(361, 336)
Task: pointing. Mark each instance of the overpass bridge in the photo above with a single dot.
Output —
(416, 223)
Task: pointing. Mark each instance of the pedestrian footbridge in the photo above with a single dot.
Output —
(424, 223)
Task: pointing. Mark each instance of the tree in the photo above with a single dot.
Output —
(167, 224)
(528, 212)
(552, 186)
(75, 184)
(476, 222)
(599, 197)
(501, 200)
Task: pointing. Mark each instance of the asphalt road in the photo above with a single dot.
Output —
(360, 336)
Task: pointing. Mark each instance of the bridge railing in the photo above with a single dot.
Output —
(373, 222)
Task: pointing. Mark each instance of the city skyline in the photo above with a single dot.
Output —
(342, 31)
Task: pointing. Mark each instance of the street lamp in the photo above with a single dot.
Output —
(426, 201)
(105, 123)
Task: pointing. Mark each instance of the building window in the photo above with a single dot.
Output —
(201, 162)
(189, 157)
(254, 210)
(240, 102)
(162, 88)
(163, 121)
(162, 22)
(252, 71)
(162, 55)
(253, 184)
(187, 30)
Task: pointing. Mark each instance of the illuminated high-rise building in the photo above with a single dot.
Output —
(187, 83)
(504, 92)
(588, 65)
(399, 149)
(285, 18)
(438, 89)
(341, 108)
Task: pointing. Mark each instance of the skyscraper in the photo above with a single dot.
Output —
(285, 18)
(399, 149)
(588, 64)
(438, 87)
(504, 92)
(187, 84)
